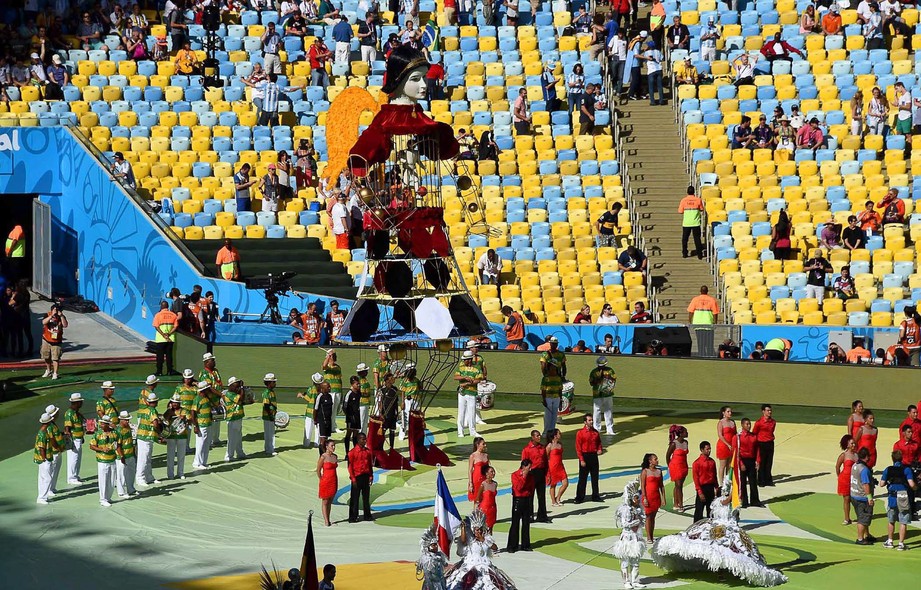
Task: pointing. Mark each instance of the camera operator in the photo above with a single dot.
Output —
(53, 325)
(656, 348)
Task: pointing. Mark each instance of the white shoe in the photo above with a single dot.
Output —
(481, 421)
(474, 434)
(105, 503)
(274, 453)
(638, 585)
(460, 435)
(41, 501)
(124, 496)
(628, 585)
(74, 482)
(227, 459)
(402, 436)
(181, 477)
(52, 494)
(196, 466)
(156, 481)
(140, 484)
(201, 467)
(54, 376)
(611, 433)
(46, 374)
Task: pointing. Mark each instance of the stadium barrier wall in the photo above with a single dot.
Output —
(638, 377)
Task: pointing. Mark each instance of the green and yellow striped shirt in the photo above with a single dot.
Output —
(597, 376)
(269, 404)
(551, 384)
(142, 399)
(107, 407)
(146, 417)
(333, 376)
(234, 411)
(42, 442)
(57, 436)
(187, 395)
(213, 378)
(202, 407)
(365, 385)
(471, 372)
(74, 420)
(106, 442)
(310, 398)
(380, 367)
(125, 441)
(410, 387)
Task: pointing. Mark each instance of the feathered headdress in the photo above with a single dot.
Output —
(727, 486)
(429, 536)
(477, 519)
(631, 490)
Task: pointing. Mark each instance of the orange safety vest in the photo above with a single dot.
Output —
(53, 336)
(911, 340)
(517, 331)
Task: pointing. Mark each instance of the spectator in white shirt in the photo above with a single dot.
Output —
(340, 216)
(744, 68)
(489, 266)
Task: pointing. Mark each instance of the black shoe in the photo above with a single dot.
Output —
(700, 256)
(744, 505)
(175, 374)
(577, 501)
(871, 539)
(511, 551)
(528, 548)
(354, 520)
(597, 499)
(368, 519)
(759, 505)
(545, 520)
(861, 542)
(684, 255)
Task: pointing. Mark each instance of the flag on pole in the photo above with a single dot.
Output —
(309, 559)
(431, 35)
(447, 518)
(736, 497)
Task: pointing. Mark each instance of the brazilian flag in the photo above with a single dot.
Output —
(431, 35)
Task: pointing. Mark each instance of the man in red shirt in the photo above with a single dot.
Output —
(317, 56)
(522, 507)
(907, 445)
(588, 447)
(749, 459)
(535, 452)
(912, 420)
(434, 82)
(704, 474)
(764, 430)
(361, 461)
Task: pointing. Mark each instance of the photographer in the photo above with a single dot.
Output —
(53, 325)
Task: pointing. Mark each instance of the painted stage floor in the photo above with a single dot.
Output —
(218, 527)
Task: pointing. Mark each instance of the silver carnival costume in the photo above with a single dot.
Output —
(430, 567)
(631, 546)
(476, 571)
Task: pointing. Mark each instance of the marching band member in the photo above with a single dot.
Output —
(380, 366)
(602, 379)
(480, 364)
(202, 421)
(233, 402)
(106, 406)
(149, 427)
(364, 405)
(332, 374)
(150, 384)
(187, 392)
(310, 397)
(104, 443)
(43, 455)
(467, 376)
(74, 431)
(210, 375)
(176, 439)
(351, 407)
(127, 465)
(57, 436)
(269, 409)
(409, 389)
(553, 369)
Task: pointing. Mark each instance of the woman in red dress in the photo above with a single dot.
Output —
(726, 433)
(652, 491)
(478, 458)
(676, 457)
(846, 460)
(329, 482)
(556, 472)
(486, 496)
(855, 420)
(866, 437)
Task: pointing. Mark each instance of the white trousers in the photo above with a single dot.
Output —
(215, 430)
(551, 413)
(311, 434)
(73, 461)
(124, 475)
(44, 480)
(336, 398)
(268, 435)
(368, 54)
(175, 457)
(363, 412)
(234, 440)
(342, 52)
(817, 292)
(466, 414)
(55, 471)
(630, 570)
(144, 473)
(202, 446)
(106, 472)
(603, 406)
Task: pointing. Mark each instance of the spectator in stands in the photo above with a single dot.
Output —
(894, 24)
(584, 316)
(174, 19)
(284, 168)
(286, 10)
(575, 87)
(342, 35)
(816, 267)
(530, 316)
(489, 266)
(679, 36)
(580, 347)
(58, 78)
(893, 208)
(857, 113)
(640, 315)
(843, 285)
(653, 59)
(607, 315)
(587, 111)
(340, 216)
(121, 170)
(53, 325)
(468, 144)
(520, 114)
(873, 28)
(270, 187)
(548, 82)
(910, 335)
(136, 46)
(807, 22)
(784, 140)
(686, 72)
(608, 225)
(831, 22)
(317, 56)
(853, 238)
(610, 28)
(742, 135)
(858, 354)
(271, 95)
(242, 184)
(877, 112)
(511, 12)
(708, 38)
(186, 61)
(435, 82)
(691, 208)
(118, 21)
(89, 33)
(869, 219)
(256, 81)
(703, 309)
(328, 13)
(608, 347)
(488, 148)
(296, 25)
(780, 237)
(514, 329)
(632, 259)
(830, 237)
(903, 111)
(634, 49)
(835, 355)
(797, 120)
(810, 136)
(622, 9)
(763, 134)
(582, 21)
(744, 68)
(863, 11)
(305, 168)
(367, 38)
(137, 20)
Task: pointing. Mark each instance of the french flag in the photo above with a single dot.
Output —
(447, 518)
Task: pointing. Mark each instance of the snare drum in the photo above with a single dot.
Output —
(282, 419)
(248, 396)
(218, 412)
(566, 399)
(486, 394)
(178, 425)
(606, 387)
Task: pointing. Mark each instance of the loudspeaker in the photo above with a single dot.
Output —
(437, 273)
(468, 318)
(676, 339)
(398, 278)
(363, 321)
(404, 313)
(378, 244)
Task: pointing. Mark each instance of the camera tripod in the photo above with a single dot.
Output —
(271, 314)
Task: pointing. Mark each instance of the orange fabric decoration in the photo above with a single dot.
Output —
(342, 121)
